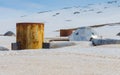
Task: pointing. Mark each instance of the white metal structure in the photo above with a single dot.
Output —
(83, 34)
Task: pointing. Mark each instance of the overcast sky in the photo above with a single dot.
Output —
(19, 7)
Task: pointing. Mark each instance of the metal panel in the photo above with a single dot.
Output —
(65, 33)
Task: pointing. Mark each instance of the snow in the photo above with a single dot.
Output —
(109, 31)
(67, 61)
(79, 59)
(67, 19)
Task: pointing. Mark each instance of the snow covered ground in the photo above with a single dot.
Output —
(79, 59)
(65, 18)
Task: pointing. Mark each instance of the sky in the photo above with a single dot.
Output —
(16, 8)
(41, 5)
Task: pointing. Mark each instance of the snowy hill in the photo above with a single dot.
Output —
(72, 57)
(70, 17)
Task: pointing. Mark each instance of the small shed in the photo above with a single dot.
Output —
(83, 34)
(65, 32)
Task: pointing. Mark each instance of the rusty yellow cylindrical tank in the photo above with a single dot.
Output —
(30, 35)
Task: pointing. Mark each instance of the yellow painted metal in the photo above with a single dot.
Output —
(30, 35)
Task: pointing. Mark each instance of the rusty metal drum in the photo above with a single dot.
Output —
(30, 35)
